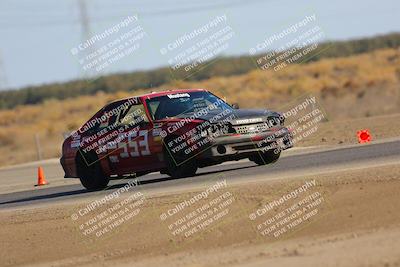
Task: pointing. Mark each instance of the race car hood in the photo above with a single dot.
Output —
(240, 116)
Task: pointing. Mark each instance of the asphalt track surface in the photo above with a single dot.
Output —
(297, 165)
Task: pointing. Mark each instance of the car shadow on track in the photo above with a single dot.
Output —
(224, 170)
(69, 191)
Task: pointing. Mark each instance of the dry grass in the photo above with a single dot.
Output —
(358, 86)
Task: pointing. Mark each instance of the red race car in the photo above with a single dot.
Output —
(173, 132)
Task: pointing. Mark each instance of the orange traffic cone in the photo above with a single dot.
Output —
(41, 179)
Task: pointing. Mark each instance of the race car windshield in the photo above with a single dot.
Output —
(183, 105)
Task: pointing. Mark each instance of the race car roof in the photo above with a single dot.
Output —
(161, 93)
(176, 91)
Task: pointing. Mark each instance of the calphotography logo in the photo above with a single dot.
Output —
(201, 212)
(295, 43)
(104, 49)
(193, 50)
(102, 217)
(290, 212)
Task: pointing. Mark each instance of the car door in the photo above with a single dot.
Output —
(133, 149)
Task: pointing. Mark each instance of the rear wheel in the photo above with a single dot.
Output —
(90, 172)
(179, 166)
(267, 157)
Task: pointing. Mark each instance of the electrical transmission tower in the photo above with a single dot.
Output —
(85, 30)
(3, 78)
(84, 19)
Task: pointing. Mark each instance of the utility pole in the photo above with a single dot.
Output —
(38, 147)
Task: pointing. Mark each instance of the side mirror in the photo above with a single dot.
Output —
(235, 105)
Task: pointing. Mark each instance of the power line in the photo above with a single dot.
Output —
(142, 14)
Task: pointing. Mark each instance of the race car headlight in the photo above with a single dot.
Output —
(273, 122)
(218, 129)
(281, 119)
(212, 129)
(203, 133)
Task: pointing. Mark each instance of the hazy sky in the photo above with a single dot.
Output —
(36, 36)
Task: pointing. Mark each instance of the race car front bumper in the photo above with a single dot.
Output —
(242, 144)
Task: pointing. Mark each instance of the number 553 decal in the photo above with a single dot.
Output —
(133, 146)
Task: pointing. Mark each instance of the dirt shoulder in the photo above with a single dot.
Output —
(342, 132)
(356, 224)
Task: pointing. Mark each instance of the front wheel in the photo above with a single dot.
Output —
(90, 172)
(177, 166)
(267, 157)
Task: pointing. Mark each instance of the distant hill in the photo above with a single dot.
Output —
(224, 67)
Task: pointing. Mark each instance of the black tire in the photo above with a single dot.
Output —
(179, 166)
(90, 172)
(267, 157)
